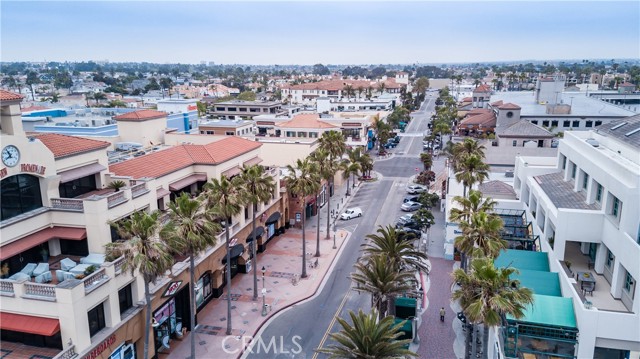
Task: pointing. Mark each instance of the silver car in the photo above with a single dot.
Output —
(410, 206)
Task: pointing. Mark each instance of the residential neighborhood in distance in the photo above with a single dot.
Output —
(319, 191)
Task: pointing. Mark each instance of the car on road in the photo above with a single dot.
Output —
(396, 139)
(415, 188)
(411, 198)
(390, 144)
(410, 206)
(351, 213)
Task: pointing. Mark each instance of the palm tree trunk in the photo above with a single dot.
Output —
(226, 224)
(254, 254)
(474, 338)
(485, 341)
(353, 179)
(318, 228)
(147, 322)
(348, 187)
(192, 311)
(304, 243)
(464, 191)
(329, 208)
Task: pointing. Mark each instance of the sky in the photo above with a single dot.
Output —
(328, 32)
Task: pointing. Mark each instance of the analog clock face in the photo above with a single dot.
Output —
(10, 155)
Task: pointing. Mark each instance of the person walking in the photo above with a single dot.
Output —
(442, 313)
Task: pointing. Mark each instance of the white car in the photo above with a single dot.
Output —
(351, 213)
(410, 206)
(415, 188)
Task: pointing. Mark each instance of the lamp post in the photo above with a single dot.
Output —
(334, 235)
(264, 294)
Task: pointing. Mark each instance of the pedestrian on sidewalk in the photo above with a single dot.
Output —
(442, 313)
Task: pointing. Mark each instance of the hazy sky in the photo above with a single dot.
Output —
(300, 32)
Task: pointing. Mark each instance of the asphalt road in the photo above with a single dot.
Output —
(310, 322)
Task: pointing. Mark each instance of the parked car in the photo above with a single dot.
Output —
(415, 188)
(411, 198)
(410, 206)
(407, 224)
(390, 144)
(413, 231)
(351, 213)
(396, 139)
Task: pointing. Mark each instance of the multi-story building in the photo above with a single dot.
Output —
(239, 109)
(59, 291)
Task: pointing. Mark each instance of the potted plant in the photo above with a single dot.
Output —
(568, 264)
(90, 269)
(116, 185)
(4, 271)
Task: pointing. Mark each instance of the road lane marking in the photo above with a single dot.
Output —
(333, 322)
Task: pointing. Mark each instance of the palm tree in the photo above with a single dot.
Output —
(332, 142)
(143, 252)
(322, 161)
(88, 96)
(427, 160)
(469, 206)
(487, 294)
(255, 188)
(302, 181)
(99, 96)
(354, 156)
(366, 164)
(368, 337)
(471, 171)
(400, 254)
(481, 236)
(191, 230)
(377, 275)
(224, 199)
(360, 90)
(381, 87)
(348, 170)
(348, 91)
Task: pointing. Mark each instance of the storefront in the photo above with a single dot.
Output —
(236, 251)
(204, 292)
(169, 320)
(271, 225)
(254, 239)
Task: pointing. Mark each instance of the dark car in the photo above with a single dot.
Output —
(415, 232)
(396, 139)
(407, 224)
(411, 198)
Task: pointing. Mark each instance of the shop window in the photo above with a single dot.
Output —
(96, 319)
(20, 194)
(125, 299)
(203, 289)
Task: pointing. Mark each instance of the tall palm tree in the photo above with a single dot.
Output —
(354, 156)
(224, 199)
(368, 337)
(400, 253)
(321, 159)
(88, 96)
(378, 276)
(481, 236)
(255, 187)
(366, 164)
(348, 170)
(143, 252)
(191, 230)
(470, 171)
(302, 181)
(333, 142)
(486, 294)
(470, 205)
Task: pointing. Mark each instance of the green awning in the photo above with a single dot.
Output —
(407, 327)
(540, 282)
(523, 260)
(549, 310)
(406, 302)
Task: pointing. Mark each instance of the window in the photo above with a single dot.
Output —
(554, 123)
(564, 162)
(509, 114)
(545, 123)
(203, 289)
(566, 123)
(628, 282)
(302, 134)
(231, 109)
(242, 109)
(515, 143)
(575, 124)
(313, 134)
(535, 122)
(585, 181)
(210, 132)
(96, 319)
(610, 259)
(598, 123)
(616, 207)
(221, 109)
(246, 212)
(125, 299)
(599, 193)
(588, 124)
(574, 168)
(230, 133)
(20, 194)
(291, 134)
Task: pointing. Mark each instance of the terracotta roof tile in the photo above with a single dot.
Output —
(158, 164)
(497, 103)
(483, 119)
(627, 84)
(467, 99)
(63, 145)
(34, 108)
(482, 88)
(9, 96)
(509, 106)
(141, 115)
(306, 120)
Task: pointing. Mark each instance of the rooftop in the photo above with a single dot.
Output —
(561, 192)
(626, 130)
(141, 115)
(63, 145)
(497, 189)
(523, 128)
(225, 123)
(252, 103)
(9, 96)
(306, 120)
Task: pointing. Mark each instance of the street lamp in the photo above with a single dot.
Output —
(334, 235)
(264, 293)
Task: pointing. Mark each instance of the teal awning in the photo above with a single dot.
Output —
(520, 259)
(406, 302)
(540, 282)
(407, 327)
(549, 310)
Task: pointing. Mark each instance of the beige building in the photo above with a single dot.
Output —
(145, 127)
(228, 128)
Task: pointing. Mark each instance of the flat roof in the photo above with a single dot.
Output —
(549, 310)
(248, 103)
(540, 282)
(561, 192)
(523, 260)
(226, 123)
(581, 105)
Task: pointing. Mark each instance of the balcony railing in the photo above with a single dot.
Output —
(68, 353)
(94, 280)
(6, 288)
(44, 291)
(67, 204)
(117, 265)
(139, 189)
(116, 198)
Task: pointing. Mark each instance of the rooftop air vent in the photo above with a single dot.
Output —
(593, 142)
(618, 126)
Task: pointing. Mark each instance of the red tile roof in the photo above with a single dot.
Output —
(63, 145)
(9, 96)
(627, 84)
(467, 99)
(486, 119)
(497, 103)
(158, 164)
(306, 120)
(34, 108)
(482, 88)
(141, 115)
(509, 106)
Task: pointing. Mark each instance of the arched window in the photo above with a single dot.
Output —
(20, 194)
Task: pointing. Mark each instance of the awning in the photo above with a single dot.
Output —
(196, 177)
(236, 251)
(74, 174)
(274, 217)
(251, 162)
(161, 192)
(232, 171)
(32, 240)
(29, 324)
(258, 233)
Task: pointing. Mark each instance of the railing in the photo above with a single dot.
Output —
(139, 189)
(94, 280)
(68, 353)
(6, 288)
(68, 204)
(116, 198)
(117, 265)
(40, 290)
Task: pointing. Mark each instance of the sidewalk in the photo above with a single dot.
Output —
(283, 261)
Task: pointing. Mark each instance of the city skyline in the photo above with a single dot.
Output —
(361, 32)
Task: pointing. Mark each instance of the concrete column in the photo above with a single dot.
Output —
(96, 219)
(72, 312)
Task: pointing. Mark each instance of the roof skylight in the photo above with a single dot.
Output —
(632, 132)
(618, 126)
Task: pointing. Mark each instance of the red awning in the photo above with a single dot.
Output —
(161, 192)
(29, 324)
(253, 161)
(196, 177)
(74, 174)
(232, 171)
(32, 240)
